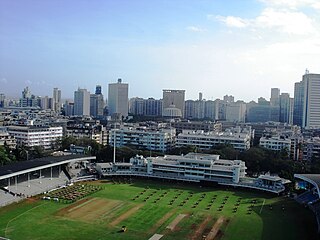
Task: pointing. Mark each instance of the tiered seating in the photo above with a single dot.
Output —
(38, 185)
(7, 198)
(307, 197)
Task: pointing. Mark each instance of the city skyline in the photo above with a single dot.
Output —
(158, 45)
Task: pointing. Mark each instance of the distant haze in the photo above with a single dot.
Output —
(242, 48)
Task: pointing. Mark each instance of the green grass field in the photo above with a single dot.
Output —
(175, 211)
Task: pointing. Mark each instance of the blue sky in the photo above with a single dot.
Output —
(216, 47)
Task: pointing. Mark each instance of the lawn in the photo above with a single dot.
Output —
(146, 207)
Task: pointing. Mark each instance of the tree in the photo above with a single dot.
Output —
(4, 157)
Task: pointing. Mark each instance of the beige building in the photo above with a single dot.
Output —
(173, 98)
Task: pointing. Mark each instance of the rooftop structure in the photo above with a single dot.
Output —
(239, 138)
(156, 139)
(35, 136)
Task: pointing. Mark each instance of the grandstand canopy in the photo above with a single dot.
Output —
(18, 168)
(313, 179)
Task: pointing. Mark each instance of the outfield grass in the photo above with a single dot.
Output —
(102, 214)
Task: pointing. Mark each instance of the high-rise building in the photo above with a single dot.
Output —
(194, 109)
(29, 100)
(98, 90)
(153, 107)
(298, 103)
(275, 105)
(68, 108)
(307, 101)
(285, 108)
(210, 110)
(97, 103)
(2, 100)
(56, 96)
(44, 103)
(82, 102)
(173, 98)
(228, 98)
(137, 106)
(236, 112)
(275, 97)
(118, 99)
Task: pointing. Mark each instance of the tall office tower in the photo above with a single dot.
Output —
(81, 102)
(2, 100)
(291, 111)
(284, 108)
(56, 96)
(173, 98)
(307, 101)
(275, 97)
(97, 103)
(298, 103)
(275, 105)
(118, 99)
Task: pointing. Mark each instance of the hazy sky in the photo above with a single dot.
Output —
(216, 47)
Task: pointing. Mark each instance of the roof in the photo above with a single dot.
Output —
(313, 178)
(17, 168)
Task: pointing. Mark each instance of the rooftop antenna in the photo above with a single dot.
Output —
(307, 71)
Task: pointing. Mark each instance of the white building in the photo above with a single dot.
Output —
(307, 101)
(193, 167)
(276, 143)
(7, 139)
(236, 112)
(56, 98)
(311, 149)
(81, 102)
(161, 139)
(35, 136)
(240, 139)
(118, 98)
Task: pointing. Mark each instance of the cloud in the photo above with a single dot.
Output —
(232, 21)
(286, 21)
(3, 80)
(28, 82)
(195, 29)
(292, 4)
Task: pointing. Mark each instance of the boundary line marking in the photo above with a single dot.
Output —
(5, 231)
(262, 205)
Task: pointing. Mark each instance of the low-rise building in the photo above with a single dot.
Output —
(311, 149)
(276, 143)
(156, 139)
(239, 138)
(32, 136)
(7, 139)
(91, 129)
(206, 126)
